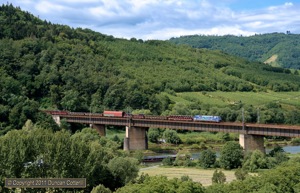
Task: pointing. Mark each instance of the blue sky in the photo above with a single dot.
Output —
(163, 19)
(239, 5)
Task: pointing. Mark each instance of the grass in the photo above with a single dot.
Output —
(225, 98)
(205, 136)
(110, 133)
(203, 176)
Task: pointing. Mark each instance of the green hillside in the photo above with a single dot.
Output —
(50, 66)
(223, 99)
(284, 47)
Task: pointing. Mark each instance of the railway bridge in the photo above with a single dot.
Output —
(251, 136)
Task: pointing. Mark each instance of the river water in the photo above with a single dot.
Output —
(288, 149)
(196, 154)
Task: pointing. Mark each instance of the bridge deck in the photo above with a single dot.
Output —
(229, 127)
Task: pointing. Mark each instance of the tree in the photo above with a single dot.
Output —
(23, 111)
(218, 177)
(231, 155)
(284, 178)
(255, 160)
(207, 158)
(275, 150)
(184, 158)
(82, 155)
(171, 136)
(139, 155)
(124, 169)
(168, 161)
(161, 184)
(185, 178)
(153, 135)
(65, 125)
(71, 100)
(241, 174)
(180, 109)
(100, 189)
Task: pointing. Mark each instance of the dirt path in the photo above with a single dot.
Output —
(271, 59)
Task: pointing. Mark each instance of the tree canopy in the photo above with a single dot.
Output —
(34, 152)
(231, 155)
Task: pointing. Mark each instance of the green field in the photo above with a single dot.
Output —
(222, 99)
(197, 175)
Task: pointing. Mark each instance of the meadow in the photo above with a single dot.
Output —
(203, 176)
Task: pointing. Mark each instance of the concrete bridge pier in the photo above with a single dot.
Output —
(252, 142)
(100, 129)
(56, 119)
(136, 138)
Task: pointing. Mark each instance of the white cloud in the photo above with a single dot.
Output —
(163, 19)
(284, 6)
(47, 7)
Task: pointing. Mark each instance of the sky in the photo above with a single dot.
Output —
(164, 19)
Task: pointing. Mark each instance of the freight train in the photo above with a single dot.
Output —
(118, 114)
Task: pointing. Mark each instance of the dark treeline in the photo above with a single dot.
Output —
(50, 66)
(253, 48)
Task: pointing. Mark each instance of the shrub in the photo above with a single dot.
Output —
(218, 177)
(168, 161)
(207, 158)
(241, 174)
(171, 136)
(231, 155)
(153, 135)
(295, 141)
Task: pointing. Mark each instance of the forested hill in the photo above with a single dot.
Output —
(44, 65)
(277, 49)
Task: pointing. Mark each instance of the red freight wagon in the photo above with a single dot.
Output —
(113, 113)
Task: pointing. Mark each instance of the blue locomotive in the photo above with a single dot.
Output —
(207, 118)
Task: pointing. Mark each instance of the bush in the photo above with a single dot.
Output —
(185, 178)
(218, 177)
(241, 174)
(295, 141)
(153, 135)
(255, 160)
(168, 161)
(100, 189)
(207, 158)
(195, 146)
(171, 136)
(139, 155)
(275, 150)
(184, 159)
(231, 155)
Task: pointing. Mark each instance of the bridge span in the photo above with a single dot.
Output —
(251, 135)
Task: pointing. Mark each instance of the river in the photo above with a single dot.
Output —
(196, 154)
(288, 149)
